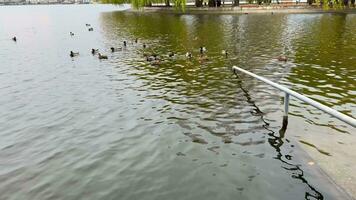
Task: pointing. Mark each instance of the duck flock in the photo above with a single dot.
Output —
(154, 59)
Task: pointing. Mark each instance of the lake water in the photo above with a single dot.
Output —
(122, 128)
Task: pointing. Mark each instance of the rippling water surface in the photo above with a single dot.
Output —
(186, 129)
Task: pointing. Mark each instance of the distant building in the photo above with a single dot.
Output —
(12, 2)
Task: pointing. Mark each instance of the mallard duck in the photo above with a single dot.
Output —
(224, 52)
(150, 58)
(202, 50)
(14, 39)
(154, 59)
(188, 55)
(171, 54)
(282, 58)
(91, 29)
(203, 58)
(113, 49)
(156, 62)
(94, 51)
(71, 33)
(73, 54)
(102, 56)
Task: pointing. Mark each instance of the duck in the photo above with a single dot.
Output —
(154, 59)
(150, 58)
(14, 39)
(71, 33)
(73, 54)
(188, 55)
(87, 25)
(224, 52)
(171, 54)
(91, 29)
(156, 62)
(94, 51)
(102, 56)
(113, 49)
(202, 50)
(203, 58)
(282, 58)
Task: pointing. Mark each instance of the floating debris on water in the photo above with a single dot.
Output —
(311, 163)
(195, 138)
(213, 149)
(180, 154)
(227, 139)
(251, 142)
(315, 147)
(240, 189)
(261, 155)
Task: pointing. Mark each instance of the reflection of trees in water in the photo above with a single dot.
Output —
(205, 85)
(325, 52)
(246, 39)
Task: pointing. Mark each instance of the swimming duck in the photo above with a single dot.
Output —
(171, 54)
(154, 59)
(156, 62)
(125, 43)
(150, 58)
(94, 51)
(71, 33)
(282, 58)
(202, 50)
(14, 39)
(73, 54)
(203, 58)
(188, 55)
(90, 29)
(113, 49)
(87, 25)
(224, 52)
(102, 56)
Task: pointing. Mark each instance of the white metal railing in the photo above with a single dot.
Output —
(288, 92)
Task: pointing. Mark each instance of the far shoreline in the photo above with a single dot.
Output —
(244, 9)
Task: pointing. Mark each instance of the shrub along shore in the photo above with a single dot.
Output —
(244, 9)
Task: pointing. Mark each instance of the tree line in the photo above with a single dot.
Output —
(181, 4)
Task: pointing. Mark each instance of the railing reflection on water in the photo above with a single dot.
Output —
(276, 141)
